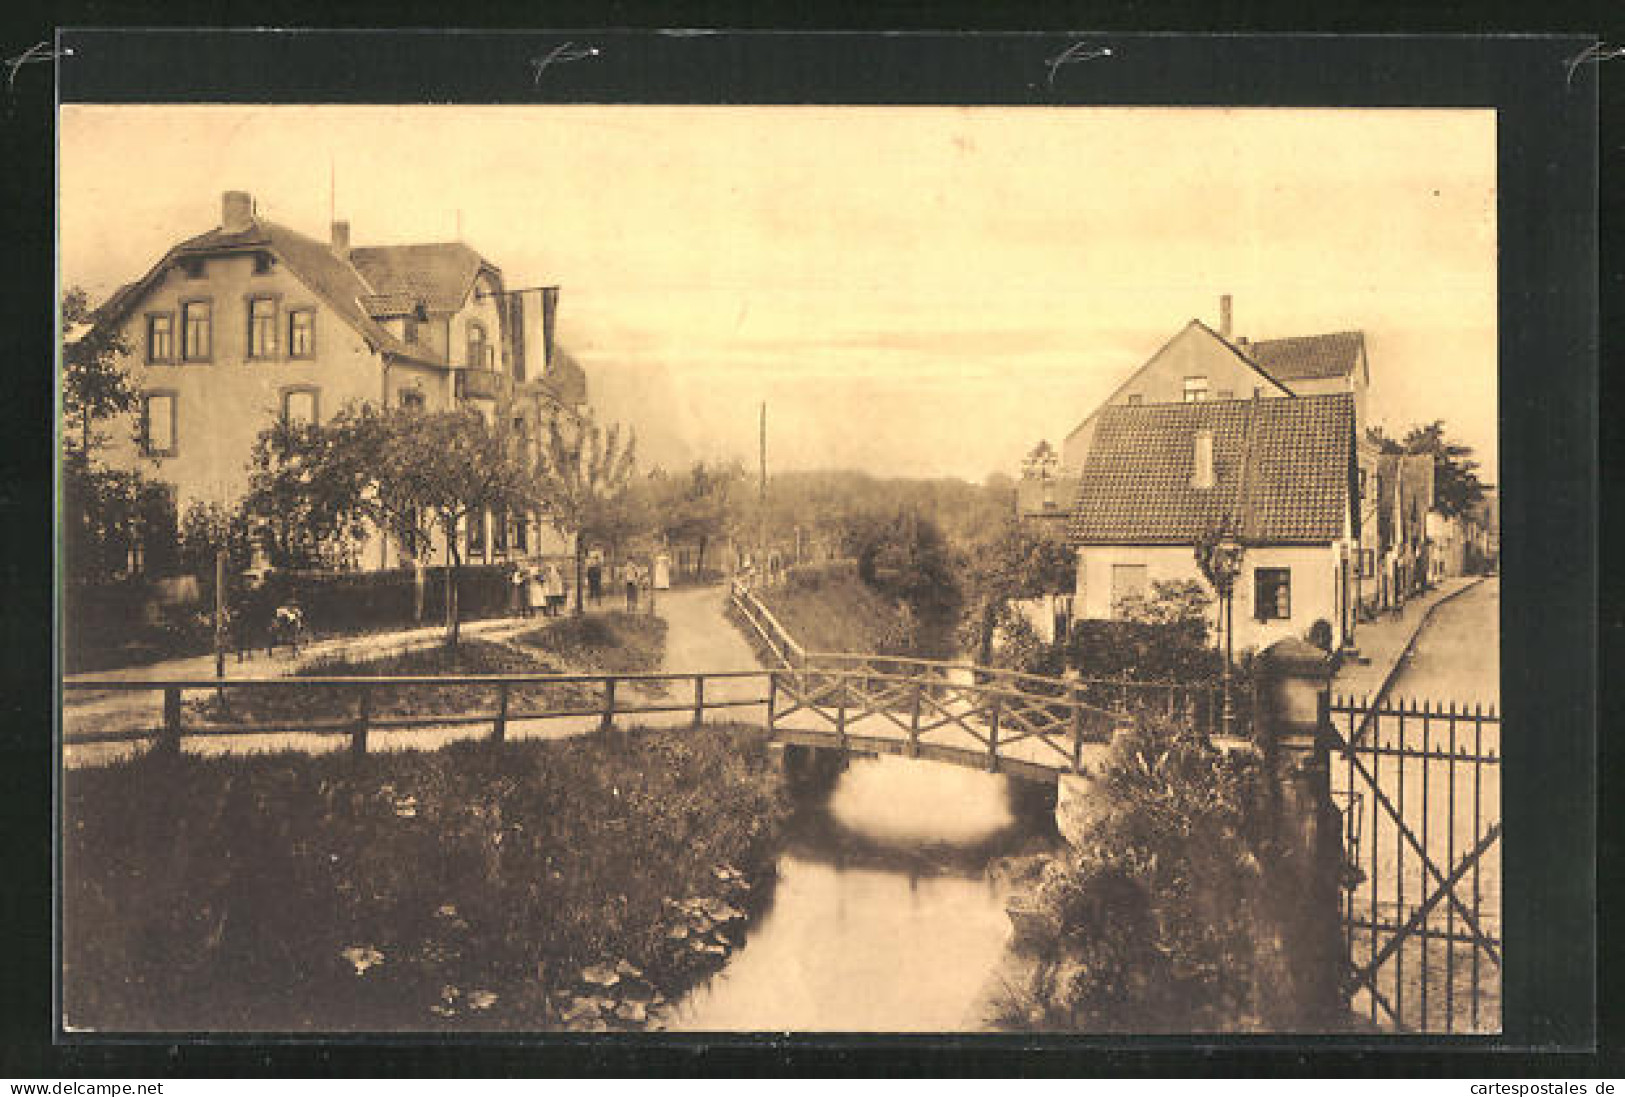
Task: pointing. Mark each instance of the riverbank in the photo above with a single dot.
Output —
(579, 884)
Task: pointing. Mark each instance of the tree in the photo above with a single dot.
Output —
(582, 473)
(409, 474)
(96, 385)
(106, 512)
(1017, 562)
(1457, 491)
(695, 507)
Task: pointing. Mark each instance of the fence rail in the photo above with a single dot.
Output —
(365, 690)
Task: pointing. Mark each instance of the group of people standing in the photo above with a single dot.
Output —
(539, 589)
(544, 587)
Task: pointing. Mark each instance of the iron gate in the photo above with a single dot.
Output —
(1420, 791)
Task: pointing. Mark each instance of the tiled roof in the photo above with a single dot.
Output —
(313, 261)
(439, 276)
(1281, 471)
(1310, 357)
(384, 305)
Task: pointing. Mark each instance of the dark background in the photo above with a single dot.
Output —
(1549, 435)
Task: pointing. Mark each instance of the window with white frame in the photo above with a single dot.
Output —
(197, 330)
(299, 406)
(158, 424)
(261, 327)
(1195, 389)
(302, 333)
(161, 337)
(1128, 583)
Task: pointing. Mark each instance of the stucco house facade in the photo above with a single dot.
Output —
(1280, 472)
(252, 321)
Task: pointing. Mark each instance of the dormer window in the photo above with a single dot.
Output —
(1195, 390)
(263, 262)
(193, 268)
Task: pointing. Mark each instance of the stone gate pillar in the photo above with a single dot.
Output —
(1294, 695)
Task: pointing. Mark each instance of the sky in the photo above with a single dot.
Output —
(913, 291)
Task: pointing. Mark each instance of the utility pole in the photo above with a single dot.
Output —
(220, 614)
(761, 496)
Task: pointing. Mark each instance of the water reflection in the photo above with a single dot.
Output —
(885, 917)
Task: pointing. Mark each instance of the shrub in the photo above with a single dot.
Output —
(1320, 634)
(1162, 915)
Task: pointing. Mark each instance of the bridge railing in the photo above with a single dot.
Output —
(774, 635)
(1196, 704)
(360, 700)
(934, 716)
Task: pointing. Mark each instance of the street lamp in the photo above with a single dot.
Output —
(1222, 564)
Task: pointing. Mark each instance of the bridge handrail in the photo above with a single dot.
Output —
(773, 633)
(1065, 701)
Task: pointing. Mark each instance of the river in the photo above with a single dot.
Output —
(886, 916)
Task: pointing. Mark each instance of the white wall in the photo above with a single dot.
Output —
(1315, 581)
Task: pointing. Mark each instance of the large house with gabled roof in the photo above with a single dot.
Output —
(252, 321)
(1279, 473)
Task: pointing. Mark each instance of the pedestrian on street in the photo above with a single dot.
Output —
(554, 590)
(595, 577)
(629, 575)
(535, 594)
(519, 580)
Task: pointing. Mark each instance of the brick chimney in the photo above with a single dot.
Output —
(1224, 316)
(1202, 462)
(236, 211)
(341, 239)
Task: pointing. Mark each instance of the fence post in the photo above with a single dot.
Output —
(1295, 694)
(772, 698)
(840, 717)
(169, 740)
(993, 735)
(1077, 730)
(914, 719)
(358, 737)
(499, 726)
(699, 699)
(607, 723)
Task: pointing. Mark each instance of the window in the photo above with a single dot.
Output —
(1258, 390)
(476, 536)
(299, 406)
(302, 333)
(1133, 398)
(158, 424)
(411, 399)
(1195, 389)
(409, 329)
(198, 330)
(261, 327)
(1226, 394)
(499, 532)
(476, 346)
(1128, 581)
(161, 337)
(1272, 594)
(194, 268)
(263, 262)
(521, 534)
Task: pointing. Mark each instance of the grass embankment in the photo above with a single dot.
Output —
(522, 885)
(837, 612)
(608, 643)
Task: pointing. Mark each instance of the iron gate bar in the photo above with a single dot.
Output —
(1403, 932)
(1380, 797)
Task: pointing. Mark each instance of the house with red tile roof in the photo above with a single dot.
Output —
(253, 321)
(1278, 472)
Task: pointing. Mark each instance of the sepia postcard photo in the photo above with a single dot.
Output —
(876, 569)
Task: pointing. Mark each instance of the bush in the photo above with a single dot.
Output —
(1320, 634)
(1162, 918)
